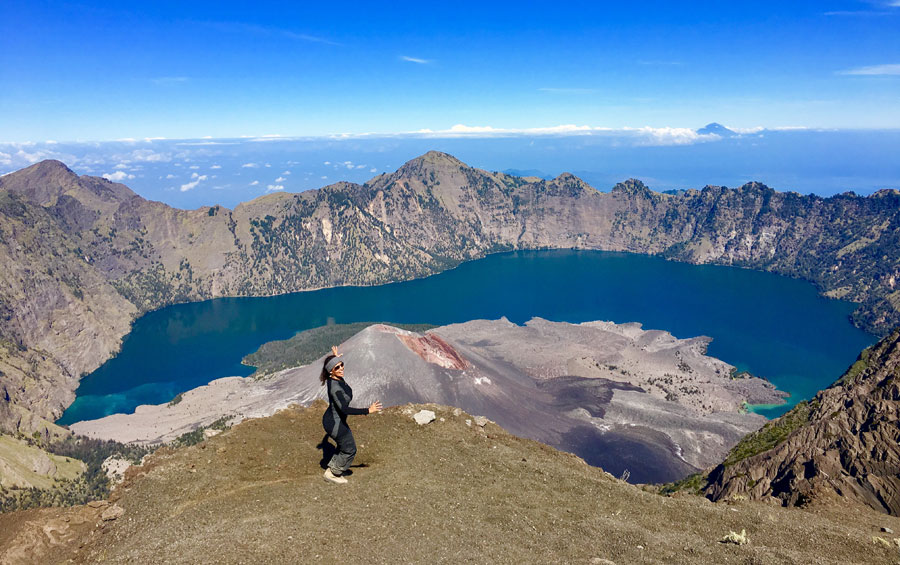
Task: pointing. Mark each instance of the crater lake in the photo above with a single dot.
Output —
(772, 326)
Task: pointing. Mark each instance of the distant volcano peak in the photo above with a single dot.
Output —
(716, 129)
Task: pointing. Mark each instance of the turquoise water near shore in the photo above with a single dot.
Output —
(772, 326)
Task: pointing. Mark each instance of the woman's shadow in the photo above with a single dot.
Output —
(328, 451)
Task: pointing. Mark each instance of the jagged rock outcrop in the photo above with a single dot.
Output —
(845, 441)
(84, 256)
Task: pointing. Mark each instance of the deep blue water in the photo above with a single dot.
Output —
(772, 326)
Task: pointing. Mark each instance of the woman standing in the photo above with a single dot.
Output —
(335, 418)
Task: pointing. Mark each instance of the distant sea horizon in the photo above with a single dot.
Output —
(205, 172)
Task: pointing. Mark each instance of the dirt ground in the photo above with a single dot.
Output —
(445, 492)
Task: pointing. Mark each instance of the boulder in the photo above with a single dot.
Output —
(423, 417)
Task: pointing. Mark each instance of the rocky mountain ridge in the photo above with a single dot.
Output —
(86, 256)
(844, 442)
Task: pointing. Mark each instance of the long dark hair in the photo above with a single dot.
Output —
(324, 376)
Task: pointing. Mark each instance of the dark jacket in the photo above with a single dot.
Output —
(339, 396)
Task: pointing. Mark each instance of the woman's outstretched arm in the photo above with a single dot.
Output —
(340, 398)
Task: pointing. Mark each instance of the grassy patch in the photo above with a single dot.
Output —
(692, 484)
(309, 345)
(196, 436)
(68, 489)
(771, 434)
(21, 459)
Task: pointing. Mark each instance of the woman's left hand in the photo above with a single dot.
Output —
(335, 351)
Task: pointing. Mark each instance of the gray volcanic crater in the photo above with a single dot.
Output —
(603, 391)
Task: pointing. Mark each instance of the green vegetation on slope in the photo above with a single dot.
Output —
(24, 466)
(692, 484)
(196, 436)
(67, 488)
(771, 434)
(309, 345)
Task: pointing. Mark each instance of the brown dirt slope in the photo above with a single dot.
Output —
(444, 492)
(846, 441)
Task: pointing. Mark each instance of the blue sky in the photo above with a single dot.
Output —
(96, 71)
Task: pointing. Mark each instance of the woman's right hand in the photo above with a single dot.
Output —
(375, 407)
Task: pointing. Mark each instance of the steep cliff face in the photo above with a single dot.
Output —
(86, 256)
(845, 441)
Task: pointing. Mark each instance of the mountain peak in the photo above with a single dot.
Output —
(716, 129)
(47, 168)
(631, 186)
(42, 182)
(434, 159)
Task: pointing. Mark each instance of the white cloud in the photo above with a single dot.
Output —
(150, 155)
(791, 128)
(242, 28)
(270, 137)
(324, 177)
(267, 165)
(272, 187)
(216, 167)
(170, 176)
(874, 70)
(414, 60)
(5, 158)
(360, 166)
(22, 157)
(286, 173)
(671, 136)
(249, 166)
(746, 131)
(193, 184)
(280, 179)
(118, 176)
(121, 166)
(254, 183)
(194, 167)
(884, 11)
(327, 163)
(460, 130)
(373, 170)
(208, 143)
(637, 136)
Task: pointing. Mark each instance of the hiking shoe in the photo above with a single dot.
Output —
(332, 478)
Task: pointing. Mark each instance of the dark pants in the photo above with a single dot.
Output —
(346, 445)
